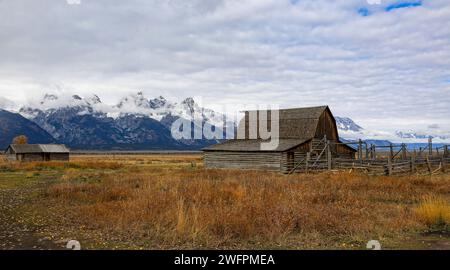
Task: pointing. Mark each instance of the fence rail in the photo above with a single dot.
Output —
(431, 165)
(397, 160)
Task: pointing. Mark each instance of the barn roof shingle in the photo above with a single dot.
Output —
(296, 123)
(38, 148)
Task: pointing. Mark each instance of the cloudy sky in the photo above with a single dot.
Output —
(386, 65)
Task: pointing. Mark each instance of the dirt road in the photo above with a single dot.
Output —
(14, 234)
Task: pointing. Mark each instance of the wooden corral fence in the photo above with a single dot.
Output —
(393, 159)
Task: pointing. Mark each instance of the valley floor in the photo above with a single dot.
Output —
(172, 202)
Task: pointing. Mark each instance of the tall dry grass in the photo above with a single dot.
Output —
(434, 211)
(217, 208)
(55, 165)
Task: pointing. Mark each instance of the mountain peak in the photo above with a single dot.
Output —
(189, 100)
(158, 102)
(77, 97)
(134, 100)
(347, 124)
(189, 103)
(48, 97)
(94, 99)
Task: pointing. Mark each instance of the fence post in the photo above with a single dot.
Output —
(429, 165)
(367, 151)
(430, 146)
(329, 156)
(404, 151)
(360, 149)
(413, 164)
(389, 165)
(391, 151)
(308, 156)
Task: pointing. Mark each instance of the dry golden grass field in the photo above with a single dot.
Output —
(172, 202)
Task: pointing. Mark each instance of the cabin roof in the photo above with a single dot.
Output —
(254, 145)
(38, 148)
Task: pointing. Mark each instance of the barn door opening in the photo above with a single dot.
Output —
(46, 157)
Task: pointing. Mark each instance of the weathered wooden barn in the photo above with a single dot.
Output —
(37, 152)
(308, 139)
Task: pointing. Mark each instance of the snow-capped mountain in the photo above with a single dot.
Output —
(349, 130)
(13, 124)
(136, 104)
(420, 135)
(51, 103)
(160, 108)
(347, 124)
(136, 122)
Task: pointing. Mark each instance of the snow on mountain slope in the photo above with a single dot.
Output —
(159, 108)
(411, 134)
(347, 124)
(134, 123)
(134, 104)
(349, 130)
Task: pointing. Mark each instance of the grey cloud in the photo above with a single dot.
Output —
(384, 68)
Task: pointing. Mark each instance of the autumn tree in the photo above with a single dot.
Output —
(22, 139)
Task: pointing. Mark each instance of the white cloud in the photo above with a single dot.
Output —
(388, 71)
(7, 104)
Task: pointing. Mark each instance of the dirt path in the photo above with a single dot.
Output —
(436, 240)
(15, 235)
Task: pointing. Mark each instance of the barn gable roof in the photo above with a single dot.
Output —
(38, 148)
(254, 145)
(298, 123)
(297, 126)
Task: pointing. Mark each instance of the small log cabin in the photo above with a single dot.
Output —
(304, 135)
(37, 152)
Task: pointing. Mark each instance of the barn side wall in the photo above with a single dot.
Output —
(243, 160)
(38, 157)
(291, 159)
(10, 157)
(344, 152)
(31, 157)
(327, 126)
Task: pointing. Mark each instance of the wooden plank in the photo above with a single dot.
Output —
(389, 165)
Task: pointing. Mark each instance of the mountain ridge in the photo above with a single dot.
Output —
(134, 123)
(14, 124)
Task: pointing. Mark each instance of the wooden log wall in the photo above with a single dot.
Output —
(243, 160)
